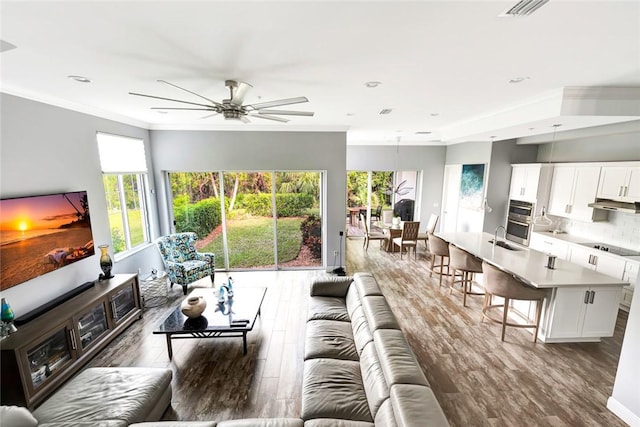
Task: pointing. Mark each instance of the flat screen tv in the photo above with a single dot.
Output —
(39, 234)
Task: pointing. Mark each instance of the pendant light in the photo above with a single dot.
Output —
(543, 219)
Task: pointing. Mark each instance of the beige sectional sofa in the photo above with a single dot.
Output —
(359, 371)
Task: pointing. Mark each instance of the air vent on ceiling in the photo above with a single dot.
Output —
(524, 8)
(385, 111)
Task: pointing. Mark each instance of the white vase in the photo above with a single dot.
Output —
(193, 306)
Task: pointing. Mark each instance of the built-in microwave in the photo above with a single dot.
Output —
(519, 222)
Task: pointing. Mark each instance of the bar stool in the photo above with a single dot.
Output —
(438, 248)
(468, 265)
(505, 285)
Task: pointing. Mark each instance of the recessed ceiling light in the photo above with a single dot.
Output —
(434, 114)
(351, 114)
(372, 84)
(423, 132)
(518, 79)
(162, 112)
(80, 79)
(385, 111)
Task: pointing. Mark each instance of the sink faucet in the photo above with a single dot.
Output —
(495, 234)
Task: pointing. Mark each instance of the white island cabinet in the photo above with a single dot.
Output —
(580, 313)
(581, 304)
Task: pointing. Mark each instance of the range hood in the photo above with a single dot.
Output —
(613, 205)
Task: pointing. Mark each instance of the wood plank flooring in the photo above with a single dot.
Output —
(478, 380)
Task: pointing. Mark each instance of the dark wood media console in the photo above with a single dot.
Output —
(48, 350)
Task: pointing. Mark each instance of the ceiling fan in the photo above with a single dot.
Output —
(233, 108)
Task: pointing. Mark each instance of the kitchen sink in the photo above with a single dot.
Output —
(505, 245)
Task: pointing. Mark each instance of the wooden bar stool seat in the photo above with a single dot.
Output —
(501, 284)
(467, 265)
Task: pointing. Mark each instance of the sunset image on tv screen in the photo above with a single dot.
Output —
(39, 234)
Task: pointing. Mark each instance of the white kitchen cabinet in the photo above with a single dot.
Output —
(573, 187)
(549, 245)
(585, 312)
(530, 182)
(620, 183)
(598, 260)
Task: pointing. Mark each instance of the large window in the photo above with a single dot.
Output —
(124, 171)
(252, 219)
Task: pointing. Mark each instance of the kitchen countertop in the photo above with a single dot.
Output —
(529, 264)
(579, 241)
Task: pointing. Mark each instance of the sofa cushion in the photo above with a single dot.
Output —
(328, 308)
(329, 339)
(333, 389)
(416, 405)
(375, 385)
(329, 422)
(128, 394)
(330, 286)
(385, 416)
(176, 424)
(367, 285)
(263, 422)
(361, 333)
(396, 358)
(378, 312)
(101, 423)
(17, 416)
(353, 300)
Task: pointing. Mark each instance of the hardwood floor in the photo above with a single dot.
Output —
(478, 380)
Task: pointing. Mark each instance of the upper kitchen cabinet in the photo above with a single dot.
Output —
(573, 187)
(620, 183)
(530, 182)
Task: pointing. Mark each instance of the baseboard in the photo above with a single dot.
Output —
(623, 412)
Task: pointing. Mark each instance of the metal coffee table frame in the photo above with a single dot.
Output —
(215, 322)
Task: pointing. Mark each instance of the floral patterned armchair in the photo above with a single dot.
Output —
(184, 264)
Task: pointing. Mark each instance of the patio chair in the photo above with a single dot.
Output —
(377, 214)
(184, 264)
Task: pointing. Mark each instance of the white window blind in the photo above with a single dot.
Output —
(119, 154)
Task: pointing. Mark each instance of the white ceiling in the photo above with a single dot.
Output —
(445, 66)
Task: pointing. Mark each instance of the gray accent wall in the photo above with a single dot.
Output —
(429, 160)
(46, 149)
(468, 153)
(503, 155)
(602, 148)
(198, 151)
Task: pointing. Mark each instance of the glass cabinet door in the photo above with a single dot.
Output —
(91, 325)
(51, 355)
(122, 303)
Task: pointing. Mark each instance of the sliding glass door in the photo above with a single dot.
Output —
(270, 219)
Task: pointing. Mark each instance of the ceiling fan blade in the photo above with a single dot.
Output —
(209, 115)
(287, 112)
(278, 103)
(188, 91)
(169, 99)
(240, 92)
(183, 108)
(264, 116)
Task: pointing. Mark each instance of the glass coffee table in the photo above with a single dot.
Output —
(233, 318)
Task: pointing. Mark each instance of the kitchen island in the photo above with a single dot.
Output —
(581, 305)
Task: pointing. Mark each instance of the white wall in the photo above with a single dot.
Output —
(46, 149)
(195, 151)
(625, 399)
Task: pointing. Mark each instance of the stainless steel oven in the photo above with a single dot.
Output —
(519, 221)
